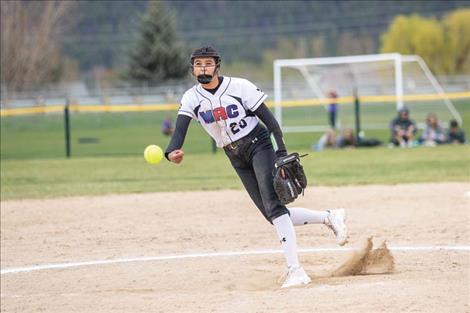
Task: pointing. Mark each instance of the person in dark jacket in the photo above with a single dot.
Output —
(455, 134)
(403, 129)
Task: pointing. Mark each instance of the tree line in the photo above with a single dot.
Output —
(150, 41)
(443, 44)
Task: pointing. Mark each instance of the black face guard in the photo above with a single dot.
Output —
(205, 78)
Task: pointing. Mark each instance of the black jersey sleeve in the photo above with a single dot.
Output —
(267, 117)
(177, 140)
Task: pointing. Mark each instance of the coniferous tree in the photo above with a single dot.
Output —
(157, 56)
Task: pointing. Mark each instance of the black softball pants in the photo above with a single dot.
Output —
(253, 159)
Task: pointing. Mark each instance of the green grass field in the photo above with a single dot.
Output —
(42, 136)
(44, 178)
(33, 163)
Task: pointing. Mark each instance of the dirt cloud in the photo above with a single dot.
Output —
(367, 260)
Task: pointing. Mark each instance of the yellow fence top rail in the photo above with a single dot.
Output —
(174, 106)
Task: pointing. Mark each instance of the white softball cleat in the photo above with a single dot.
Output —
(296, 276)
(336, 221)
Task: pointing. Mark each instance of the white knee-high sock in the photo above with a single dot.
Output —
(286, 233)
(302, 216)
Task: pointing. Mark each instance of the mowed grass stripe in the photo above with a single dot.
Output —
(49, 178)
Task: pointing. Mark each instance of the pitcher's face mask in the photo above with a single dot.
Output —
(205, 69)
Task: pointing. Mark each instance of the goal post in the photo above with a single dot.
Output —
(384, 83)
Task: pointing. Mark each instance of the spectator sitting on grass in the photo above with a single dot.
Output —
(403, 129)
(327, 140)
(347, 139)
(455, 135)
(433, 133)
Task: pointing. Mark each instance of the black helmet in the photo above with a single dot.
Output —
(206, 51)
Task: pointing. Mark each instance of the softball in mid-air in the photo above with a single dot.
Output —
(153, 154)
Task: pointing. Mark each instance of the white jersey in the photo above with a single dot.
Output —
(226, 115)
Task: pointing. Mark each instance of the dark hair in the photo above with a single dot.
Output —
(403, 110)
(453, 123)
(206, 51)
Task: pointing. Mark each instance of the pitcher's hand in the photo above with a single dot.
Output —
(176, 156)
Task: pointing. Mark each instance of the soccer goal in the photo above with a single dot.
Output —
(383, 83)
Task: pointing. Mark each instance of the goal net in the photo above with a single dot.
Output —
(383, 82)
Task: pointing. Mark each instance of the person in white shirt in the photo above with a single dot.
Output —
(434, 133)
(229, 109)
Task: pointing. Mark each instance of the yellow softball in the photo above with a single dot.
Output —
(153, 154)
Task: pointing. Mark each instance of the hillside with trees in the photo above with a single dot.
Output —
(96, 37)
(245, 29)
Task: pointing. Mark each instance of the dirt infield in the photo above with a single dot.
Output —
(38, 232)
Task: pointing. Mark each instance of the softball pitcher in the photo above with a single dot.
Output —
(230, 110)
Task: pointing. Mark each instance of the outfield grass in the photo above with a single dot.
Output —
(33, 163)
(42, 136)
(46, 178)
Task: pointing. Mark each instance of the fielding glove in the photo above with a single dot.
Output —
(289, 178)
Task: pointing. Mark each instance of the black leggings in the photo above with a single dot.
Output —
(253, 159)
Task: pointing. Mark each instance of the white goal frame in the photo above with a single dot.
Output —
(398, 59)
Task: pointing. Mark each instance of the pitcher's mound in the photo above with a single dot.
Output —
(367, 261)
